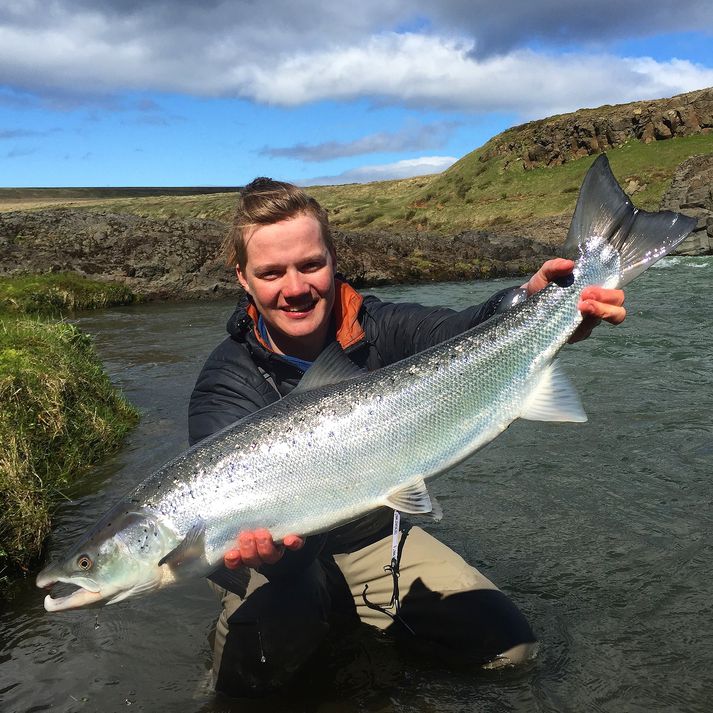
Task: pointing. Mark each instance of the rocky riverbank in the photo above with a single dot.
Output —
(182, 259)
(691, 192)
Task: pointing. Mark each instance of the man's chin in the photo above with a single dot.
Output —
(295, 336)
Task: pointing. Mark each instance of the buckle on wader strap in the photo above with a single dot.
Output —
(393, 568)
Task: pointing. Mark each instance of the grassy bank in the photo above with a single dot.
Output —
(59, 412)
(58, 294)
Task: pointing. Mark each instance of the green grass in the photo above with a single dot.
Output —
(59, 413)
(59, 293)
(475, 194)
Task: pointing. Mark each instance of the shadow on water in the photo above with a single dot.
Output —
(600, 532)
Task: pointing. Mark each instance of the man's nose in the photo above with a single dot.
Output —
(294, 285)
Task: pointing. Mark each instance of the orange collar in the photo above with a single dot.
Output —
(347, 303)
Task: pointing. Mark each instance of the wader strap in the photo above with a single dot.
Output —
(268, 377)
(397, 547)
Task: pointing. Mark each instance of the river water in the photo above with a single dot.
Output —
(600, 532)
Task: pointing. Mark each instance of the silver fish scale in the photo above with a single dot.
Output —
(324, 457)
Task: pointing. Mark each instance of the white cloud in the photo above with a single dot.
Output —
(431, 71)
(406, 168)
(466, 54)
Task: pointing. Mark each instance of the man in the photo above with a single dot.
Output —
(295, 306)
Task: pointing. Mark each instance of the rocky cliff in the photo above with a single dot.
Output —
(691, 192)
(558, 139)
(156, 258)
(182, 259)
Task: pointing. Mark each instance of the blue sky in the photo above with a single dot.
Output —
(174, 93)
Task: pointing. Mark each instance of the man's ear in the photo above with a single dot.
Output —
(241, 278)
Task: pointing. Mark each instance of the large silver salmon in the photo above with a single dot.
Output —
(346, 442)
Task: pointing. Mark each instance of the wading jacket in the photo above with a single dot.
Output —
(243, 374)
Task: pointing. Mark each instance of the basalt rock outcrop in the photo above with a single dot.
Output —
(372, 258)
(691, 192)
(155, 258)
(182, 259)
(558, 139)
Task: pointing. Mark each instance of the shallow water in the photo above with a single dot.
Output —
(600, 532)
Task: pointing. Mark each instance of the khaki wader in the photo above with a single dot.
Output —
(262, 638)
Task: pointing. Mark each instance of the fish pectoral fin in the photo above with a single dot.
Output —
(190, 551)
(234, 580)
(554, 398)
(330, 367)
(414, 500)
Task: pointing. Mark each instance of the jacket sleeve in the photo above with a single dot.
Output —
(404, 329)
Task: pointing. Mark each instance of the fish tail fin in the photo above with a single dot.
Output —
(604, 212)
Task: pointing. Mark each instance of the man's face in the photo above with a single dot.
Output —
(290, 275)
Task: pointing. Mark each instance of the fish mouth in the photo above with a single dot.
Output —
(85, 593)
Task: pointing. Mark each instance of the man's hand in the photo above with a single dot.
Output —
(595, 304)
(256, 548)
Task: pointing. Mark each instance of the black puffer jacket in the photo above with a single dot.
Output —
(236, 378)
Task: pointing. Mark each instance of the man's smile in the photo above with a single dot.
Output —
(299, 309)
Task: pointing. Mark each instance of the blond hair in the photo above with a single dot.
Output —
(265, 202)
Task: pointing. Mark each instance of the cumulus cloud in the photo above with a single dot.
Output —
(459, 54)
(385, 172)
(413, 138)
(416, 70)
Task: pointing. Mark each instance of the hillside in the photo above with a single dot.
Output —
(519, 189)
(531, 173)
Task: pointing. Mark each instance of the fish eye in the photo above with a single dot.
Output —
(84, 562)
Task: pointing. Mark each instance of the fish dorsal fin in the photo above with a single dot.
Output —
(191, 549)
(414, 500)
(330, 367)
(234, 580)
(554, 399)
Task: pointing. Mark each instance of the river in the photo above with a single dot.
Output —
(600, 532)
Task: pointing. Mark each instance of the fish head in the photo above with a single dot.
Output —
(117, 559)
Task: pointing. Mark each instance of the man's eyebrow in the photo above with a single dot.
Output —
(268, 266)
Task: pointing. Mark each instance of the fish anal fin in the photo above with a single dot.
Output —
(190, 551)
(554, 398)
(414, 500)
(330, 367)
